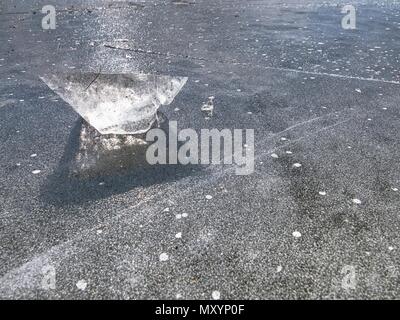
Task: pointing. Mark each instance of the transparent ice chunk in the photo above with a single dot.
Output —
(116, 103)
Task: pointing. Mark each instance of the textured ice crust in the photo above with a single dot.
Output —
(116, 103)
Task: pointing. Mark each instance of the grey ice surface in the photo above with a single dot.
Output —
(315, 94)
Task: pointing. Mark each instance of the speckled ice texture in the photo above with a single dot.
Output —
(324, 104)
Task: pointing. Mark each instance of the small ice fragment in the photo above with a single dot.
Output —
(395, 189)
(208, 108)
(36, 171)
(275, 156)
(356, 201)
(216, 295)
(164, 257)
(34, 155)
(184, 215)
(297, 165)
(81, 285)
(296, 234)
(178, 235)
(209, 197)
(279, 269)
(358, 90)
(322, 193)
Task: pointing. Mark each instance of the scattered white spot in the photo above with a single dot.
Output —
(164, 257)
(395, 189)
(296, 234)
(184, 215)
(33, 155)
(322, 193)
(357, 201)
(279, 269)
(297, 165)
(275, 156)
(36, 171)
(391, 248)
(81, 285)
(166, 210)
(178, 216)
(178, 235)
(358, 90)
(18, 164)
(179, 296)
(209, 197)
(289, 152)
(216, 295)
(99, 231)
(101, 184)
(283, 139)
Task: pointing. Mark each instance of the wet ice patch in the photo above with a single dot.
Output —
(116, 103)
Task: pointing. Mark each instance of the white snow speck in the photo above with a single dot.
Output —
(357, 201)
(184, 215)
(297, 165)
(296, 234)
(358, 90)
(391, 248)
(178, 235)
(275, 156)
(81, 285)
(395, 189)
(179, 296)
(36, 171)
(164, 257)
(209, 197)
(34, 155)
(166, 210)
(279, 269)
(216, 295)
(322, 193)
(178, 216)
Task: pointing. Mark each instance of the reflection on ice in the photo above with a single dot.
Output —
(116, 103)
